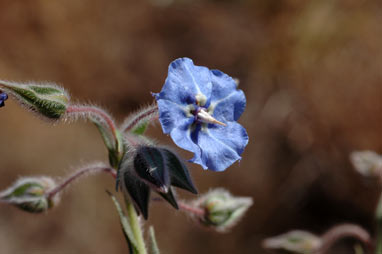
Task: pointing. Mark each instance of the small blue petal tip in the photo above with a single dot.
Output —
(3, 97)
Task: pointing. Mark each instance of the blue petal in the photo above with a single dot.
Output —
(227, 101)
(3, 97)
(181, 135)
(171, 115)
(185, 81)
(221, 146)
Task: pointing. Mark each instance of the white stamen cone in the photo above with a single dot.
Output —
(204, 117)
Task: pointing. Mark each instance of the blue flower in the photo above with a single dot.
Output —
(3, 97)
(199, 108)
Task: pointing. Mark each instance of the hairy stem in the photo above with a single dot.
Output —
(342, 231)
(79, 174)
(97, 112)
(191, 209)
(136, 228)
(132, 123)
(187, 208)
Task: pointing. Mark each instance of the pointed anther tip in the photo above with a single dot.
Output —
(220, 123)
(205, 117)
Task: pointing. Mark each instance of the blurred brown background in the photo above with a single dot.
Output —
(312, 74)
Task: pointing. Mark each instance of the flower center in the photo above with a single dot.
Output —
(203, 116)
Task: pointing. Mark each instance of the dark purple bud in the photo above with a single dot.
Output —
(179, 175)
(138, 191)
(170, 197)
(150, 166)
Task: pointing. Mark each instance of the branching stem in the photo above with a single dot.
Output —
(79, 174)
(137, 118)
(342, 231)
(98, 112)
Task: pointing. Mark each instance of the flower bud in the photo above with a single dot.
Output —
(295, 241)
(47, 100)
(30, 194)
(179, 175)
(148, 168)
(367, 163)
(222, 210)
(149, 164)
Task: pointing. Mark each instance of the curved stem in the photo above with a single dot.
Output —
(98, 112)
(79, 174)
(342, 231)
(191, 209)
(187, 208)
(144, 114)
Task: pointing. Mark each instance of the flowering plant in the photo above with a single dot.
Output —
(197, 107)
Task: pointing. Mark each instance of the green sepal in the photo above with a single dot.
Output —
(140, 129)
(105, 133)
(114, 147)
(47, 100)
(153, 246)
(126, 227)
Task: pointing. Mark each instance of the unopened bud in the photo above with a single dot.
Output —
(296, 241)
(47, 100)
(222, 210)
(152, 168)
(30, 194)
(149, 164)
(367, 163)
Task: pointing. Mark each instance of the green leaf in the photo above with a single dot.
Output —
(126, 227)
(138, 122)
(105, 133)
(140, 128)
(153, 248)
(114, 147)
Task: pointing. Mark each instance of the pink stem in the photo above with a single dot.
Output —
(98, 112)
(194, 210)
(78, 174)
(138, 118)
(342, 231)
